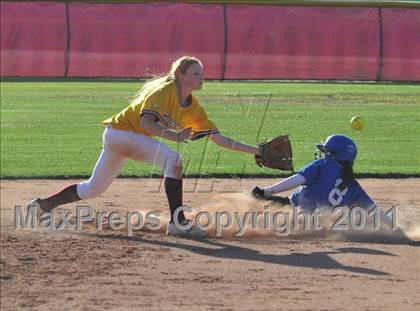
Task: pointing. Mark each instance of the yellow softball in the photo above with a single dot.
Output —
(357, 123)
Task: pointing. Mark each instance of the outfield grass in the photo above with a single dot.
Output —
(52, 129)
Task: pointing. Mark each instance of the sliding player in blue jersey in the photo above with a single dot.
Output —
(326, 182)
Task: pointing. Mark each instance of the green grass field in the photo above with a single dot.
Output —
(52, 129)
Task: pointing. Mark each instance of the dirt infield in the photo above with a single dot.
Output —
(94, 270)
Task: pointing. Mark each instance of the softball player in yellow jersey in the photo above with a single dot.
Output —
(164, 107)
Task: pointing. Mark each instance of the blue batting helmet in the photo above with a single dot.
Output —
(339, 147)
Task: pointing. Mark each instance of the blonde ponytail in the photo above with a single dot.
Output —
(181, 65)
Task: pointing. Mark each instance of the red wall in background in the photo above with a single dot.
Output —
(48, 39)
(33, 39)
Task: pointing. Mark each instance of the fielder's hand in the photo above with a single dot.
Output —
(184, 135)
(276, 153)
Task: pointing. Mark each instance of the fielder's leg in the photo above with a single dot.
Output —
(146, 149)
(66, 195)
(106, 170)
(173, 189)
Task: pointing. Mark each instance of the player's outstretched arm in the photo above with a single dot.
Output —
(284, 185)
(229, 143)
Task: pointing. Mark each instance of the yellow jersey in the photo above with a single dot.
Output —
(164, 101)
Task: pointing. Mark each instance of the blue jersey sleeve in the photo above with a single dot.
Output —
(310, 171)
(358, 197)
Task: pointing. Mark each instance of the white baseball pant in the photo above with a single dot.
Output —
(118, 147)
